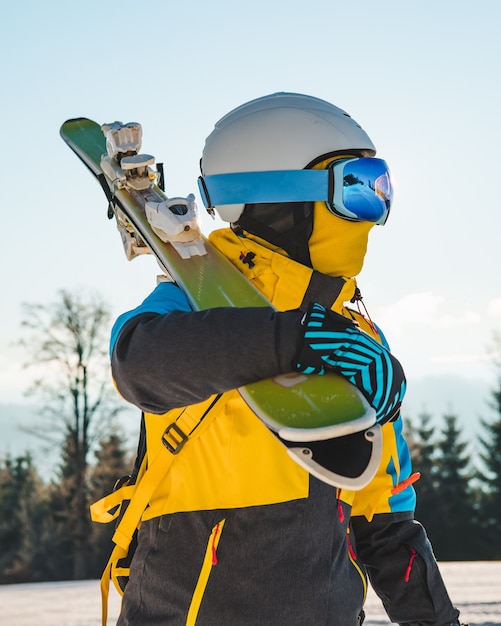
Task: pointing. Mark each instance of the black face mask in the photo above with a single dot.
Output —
(288, 226)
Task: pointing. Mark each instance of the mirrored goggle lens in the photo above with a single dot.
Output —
(362, 189)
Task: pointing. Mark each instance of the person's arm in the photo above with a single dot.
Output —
(164, 355)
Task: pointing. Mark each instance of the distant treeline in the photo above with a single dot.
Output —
(459, 502)
(45, 528)
(39, 536)
(459, 491)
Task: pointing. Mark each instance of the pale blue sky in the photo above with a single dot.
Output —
(423, 79)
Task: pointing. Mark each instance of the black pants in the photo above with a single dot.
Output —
(287, 564)
(403, 571)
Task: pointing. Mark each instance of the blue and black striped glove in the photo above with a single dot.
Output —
(334, 342)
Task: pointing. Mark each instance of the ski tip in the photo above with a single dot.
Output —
(74, 120)
(76, 124)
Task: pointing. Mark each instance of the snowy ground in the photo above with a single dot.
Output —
(474, 587)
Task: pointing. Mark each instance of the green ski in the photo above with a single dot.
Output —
(300, 408)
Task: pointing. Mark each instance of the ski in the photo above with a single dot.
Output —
(300, 408)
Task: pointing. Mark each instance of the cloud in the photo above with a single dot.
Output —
(434, 334)
(458, 359)
(427, 309)
(494, 307)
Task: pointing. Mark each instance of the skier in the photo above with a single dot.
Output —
(237, 533)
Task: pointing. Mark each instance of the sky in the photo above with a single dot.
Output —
(423, 79)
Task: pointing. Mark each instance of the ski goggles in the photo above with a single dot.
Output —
(357, 189)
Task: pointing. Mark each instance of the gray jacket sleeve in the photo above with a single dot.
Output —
(163, 361)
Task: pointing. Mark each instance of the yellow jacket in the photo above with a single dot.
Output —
(234, 461)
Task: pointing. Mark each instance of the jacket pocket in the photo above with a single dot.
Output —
(358, 567)
(210, 561)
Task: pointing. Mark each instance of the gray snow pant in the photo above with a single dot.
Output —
(403, 571)
(287, 564)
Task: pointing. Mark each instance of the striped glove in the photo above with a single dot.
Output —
(333, 342)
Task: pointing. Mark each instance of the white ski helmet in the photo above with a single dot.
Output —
(278, 132)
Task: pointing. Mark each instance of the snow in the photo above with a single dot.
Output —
(475, 587)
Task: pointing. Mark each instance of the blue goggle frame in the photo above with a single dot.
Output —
(357, 189)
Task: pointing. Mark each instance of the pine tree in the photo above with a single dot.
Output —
(490, 479)
(69, 525)
(455, 536)
(24, 513)
(112, 463)
(423, 454)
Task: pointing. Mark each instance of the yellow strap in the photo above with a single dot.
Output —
(117, 554)
(152, 477)
(100, 511)
(138, 499)
(119, 572)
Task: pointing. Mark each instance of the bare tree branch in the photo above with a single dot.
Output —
(67, 345)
